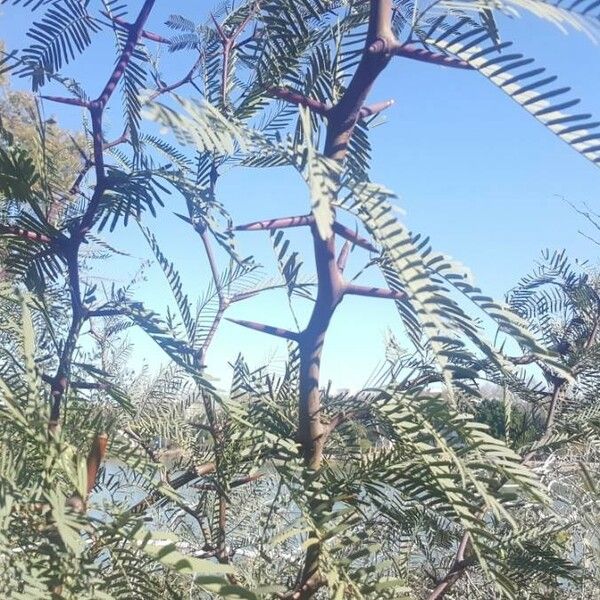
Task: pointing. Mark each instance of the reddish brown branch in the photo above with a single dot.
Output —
(227, 43)
(133, 35)
(244, 480)
(163, 89)
(353, 237)
(32, 236)
(72, 245)
(276, 331)
(341, 122)
(299, 99)
(75, 188)
(373, 292)
(179, 482)
(70, 101)
(149, 35)
(458, 567)
(304, 220)
(375, 109)
(321, 108)
(122, 139)
(389, 47)
(281, 223)
(220, 30)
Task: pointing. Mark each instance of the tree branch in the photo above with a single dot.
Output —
(33, 236)
(223, 303)
(227, 43)
(96, 108)
(306, 220)
(133, 35)
(321, 108)
(179, 482)
(299, 99)
(163, 89)
(341, 122)
(353, 237)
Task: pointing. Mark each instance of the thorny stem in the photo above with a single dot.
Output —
(331, 287)
(71, 245)
(342, 119)
(340, 126)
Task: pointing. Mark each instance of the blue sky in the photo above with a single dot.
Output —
(472, 170)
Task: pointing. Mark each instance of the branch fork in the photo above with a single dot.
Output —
(321, 108)
(306, 220)
(391, 47)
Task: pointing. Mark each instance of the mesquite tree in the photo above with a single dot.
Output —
(280, 487)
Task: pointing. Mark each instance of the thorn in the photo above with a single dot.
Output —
(280, 223)
(71, 101)
(33, 236)
(224, 38)
(374, 109)
(299, 99)
(149, 35)
(353, 237)
(276, 331)
(436, 58)
(374, 292)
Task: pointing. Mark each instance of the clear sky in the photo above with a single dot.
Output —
(471, 168)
